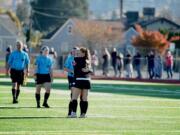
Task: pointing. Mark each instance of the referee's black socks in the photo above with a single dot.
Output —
(74, 106)
(46, 96)
(70, 108)
(83, 107)
(14, 93)
(38, 97)
(17, 94)
(14, 96)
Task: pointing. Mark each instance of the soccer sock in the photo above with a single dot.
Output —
(38, 97)
(81, 107)
(46, 96)
(71, 95)
(14, 94)
(17, 94)
(70, 108)
(74, 106)
(85, 107)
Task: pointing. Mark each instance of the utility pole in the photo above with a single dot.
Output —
(14, 4)
(121, 8)
(29, 28)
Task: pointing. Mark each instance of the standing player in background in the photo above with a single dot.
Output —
(8, 52)
(18, 64)
(53, 56)
(69, 68)
(82, 70)
(44, 76)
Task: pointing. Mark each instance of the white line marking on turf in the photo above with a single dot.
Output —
(132, 107)
(162, 91)
(145, 93)
(97, 116)
(138, 89)
(93, 131)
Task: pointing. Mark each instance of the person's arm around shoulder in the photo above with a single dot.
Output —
(67, 65)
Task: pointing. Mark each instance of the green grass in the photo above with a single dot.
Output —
(115, 108)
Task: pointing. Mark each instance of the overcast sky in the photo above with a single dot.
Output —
(99, 6)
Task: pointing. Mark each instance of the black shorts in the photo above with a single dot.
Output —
(43, 78)
(71, 81)
(83, 84)
(17, 76)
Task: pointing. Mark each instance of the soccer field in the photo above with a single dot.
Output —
(115, 108)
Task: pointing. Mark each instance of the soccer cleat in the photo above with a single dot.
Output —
(38, 106)
(46, 105)
(83, 115)
(69, 115)
(15, 101)
(73, 115)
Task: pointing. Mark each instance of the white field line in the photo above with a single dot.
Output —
(71, 132)
(130, 107)
(91, 98)
(138, 89)
(114, 87)
(99, 116)
(151, 94)
(31, 80)
(120, 100)
(163, 91)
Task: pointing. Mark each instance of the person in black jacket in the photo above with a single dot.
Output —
(82, 70)
(137, 64)
(114, 56)
(150, 60)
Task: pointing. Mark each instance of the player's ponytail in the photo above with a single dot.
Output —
(87, 55)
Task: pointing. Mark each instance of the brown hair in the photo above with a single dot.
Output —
(87, 55)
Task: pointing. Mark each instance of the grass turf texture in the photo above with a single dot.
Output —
(115, 107)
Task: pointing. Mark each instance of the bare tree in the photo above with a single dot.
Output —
(166, 13)
(100, 34)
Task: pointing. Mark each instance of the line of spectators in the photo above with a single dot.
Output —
(155, 64)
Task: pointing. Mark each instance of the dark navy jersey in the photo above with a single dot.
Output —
(80, 63)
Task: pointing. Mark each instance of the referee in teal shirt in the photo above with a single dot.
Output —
(69, 68)
(18, 64)
(44, 75)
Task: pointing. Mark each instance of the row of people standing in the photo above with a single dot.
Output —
(128, 63)
(118, 62)
(156, 65)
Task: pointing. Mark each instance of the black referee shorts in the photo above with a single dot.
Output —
(43, 78)
(83, 84)
(17, 76)
(71, 81)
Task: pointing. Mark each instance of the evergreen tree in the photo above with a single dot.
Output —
(50, 14)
